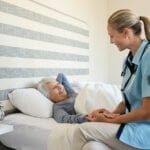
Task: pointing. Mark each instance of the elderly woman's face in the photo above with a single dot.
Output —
(57, 91)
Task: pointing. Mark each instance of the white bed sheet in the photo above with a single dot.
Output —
(93, 145)
(31, 133)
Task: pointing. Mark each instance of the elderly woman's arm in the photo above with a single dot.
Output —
(62, 79)
(62, 116)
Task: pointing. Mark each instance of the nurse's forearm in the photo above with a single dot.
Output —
(136, 115)
(120, 109)
(139, 114)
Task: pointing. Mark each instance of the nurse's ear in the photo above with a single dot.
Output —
(128, 33)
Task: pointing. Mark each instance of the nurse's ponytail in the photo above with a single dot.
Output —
(146, 22)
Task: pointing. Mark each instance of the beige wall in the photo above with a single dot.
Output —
(98, 40)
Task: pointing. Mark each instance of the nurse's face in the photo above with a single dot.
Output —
(120, 39)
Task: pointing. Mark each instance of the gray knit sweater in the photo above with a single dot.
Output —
(64, 112)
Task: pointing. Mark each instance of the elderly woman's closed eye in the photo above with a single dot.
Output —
(56, 91)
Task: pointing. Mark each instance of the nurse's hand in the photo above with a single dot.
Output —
(110, 115)
(101, 110)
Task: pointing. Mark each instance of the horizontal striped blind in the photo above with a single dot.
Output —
(37, 41)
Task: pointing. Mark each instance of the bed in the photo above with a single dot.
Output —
(32, 131)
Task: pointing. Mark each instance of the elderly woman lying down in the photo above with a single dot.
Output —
(37, 120)
(63, 95)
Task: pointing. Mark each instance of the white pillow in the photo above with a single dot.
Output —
(30, 101)
(97, 95)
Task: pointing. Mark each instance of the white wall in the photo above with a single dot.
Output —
(140, 7)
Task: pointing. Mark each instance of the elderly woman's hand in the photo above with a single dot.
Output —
(101, 115)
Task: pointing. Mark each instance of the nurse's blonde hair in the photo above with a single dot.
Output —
(125, 18)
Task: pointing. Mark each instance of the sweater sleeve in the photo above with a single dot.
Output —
(61, 116)
(62, 79)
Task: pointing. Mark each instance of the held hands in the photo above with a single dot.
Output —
(101, 115)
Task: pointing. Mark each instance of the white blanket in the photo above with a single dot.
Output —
(97, 95)
(61, 137)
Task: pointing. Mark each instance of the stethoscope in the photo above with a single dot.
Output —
(132, 67)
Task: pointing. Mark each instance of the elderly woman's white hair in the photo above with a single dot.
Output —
(41, 86)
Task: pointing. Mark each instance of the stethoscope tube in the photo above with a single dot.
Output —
(132, 67)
